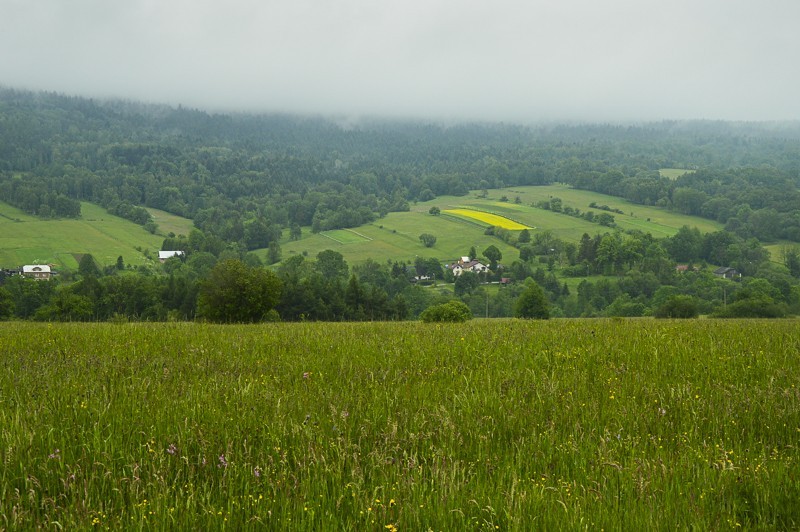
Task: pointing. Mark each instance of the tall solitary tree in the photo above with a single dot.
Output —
(494, 255)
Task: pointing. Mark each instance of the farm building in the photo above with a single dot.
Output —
(467, 265)
(40, 272)
(727, 273)
(164, 255)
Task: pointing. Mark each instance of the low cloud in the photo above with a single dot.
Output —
(507, 60)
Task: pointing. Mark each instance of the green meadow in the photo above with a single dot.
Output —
(345, 236)
(396, 236)
(655, 220)
(489, 425)
(26, 239)
(171, 223)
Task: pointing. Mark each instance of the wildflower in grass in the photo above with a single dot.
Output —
(257, 472)
(222, 461)
(306, 374)
(172, 449)
(55, 454)
(391, 528)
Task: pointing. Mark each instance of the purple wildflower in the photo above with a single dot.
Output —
(55, 454)
(172, 449)
(222, 461)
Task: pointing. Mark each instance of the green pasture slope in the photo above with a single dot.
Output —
(496, 425)
(26, 239)
(655, 220)
(171, 223)
(396, 237)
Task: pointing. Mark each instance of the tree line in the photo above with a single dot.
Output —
(639, 278)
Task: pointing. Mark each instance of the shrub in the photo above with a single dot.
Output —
(452, 311)
(427, 239)
(754, 307)
(678, 307)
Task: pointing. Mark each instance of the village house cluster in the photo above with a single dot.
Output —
(467, 265)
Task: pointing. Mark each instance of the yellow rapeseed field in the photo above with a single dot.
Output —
(491, 219)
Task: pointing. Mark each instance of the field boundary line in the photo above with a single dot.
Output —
(329, 236)
(365, 237)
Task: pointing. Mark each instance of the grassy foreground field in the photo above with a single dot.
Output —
(498, 425)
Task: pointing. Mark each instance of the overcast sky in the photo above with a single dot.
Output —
(510, 60)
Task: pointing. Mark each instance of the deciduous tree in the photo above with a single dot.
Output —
(427, 239)
(532, 303)
(236, 293)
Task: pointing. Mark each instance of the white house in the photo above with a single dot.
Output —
(40, 272)
(164, 255)
(466, 265)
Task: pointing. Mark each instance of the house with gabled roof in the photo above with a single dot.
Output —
(727, 273)
(466, 265)
(40, 272)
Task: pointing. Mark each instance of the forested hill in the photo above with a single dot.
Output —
(244, 178)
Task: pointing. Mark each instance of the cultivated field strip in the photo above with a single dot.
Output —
(488, 218)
